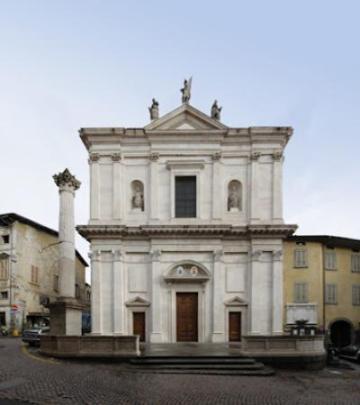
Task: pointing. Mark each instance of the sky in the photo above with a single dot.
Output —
(70, 64)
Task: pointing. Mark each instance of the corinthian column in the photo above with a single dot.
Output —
(67, 184)
(65, 313)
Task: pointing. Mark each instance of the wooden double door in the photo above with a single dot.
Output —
(187, 317)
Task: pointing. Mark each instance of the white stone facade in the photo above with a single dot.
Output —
(234, 242)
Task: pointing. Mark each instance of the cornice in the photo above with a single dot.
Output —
(147, 231)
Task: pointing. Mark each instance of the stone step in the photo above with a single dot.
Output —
(255, 366)
(193, 360)
(261, 372)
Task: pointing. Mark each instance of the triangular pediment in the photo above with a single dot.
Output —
(137, 302)
(185, 118)
(235, 302)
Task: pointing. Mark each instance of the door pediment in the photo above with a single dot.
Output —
(187, 272)
(185, 118)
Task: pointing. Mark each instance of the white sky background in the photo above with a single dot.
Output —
(68, 64)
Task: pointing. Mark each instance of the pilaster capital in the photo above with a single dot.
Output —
(216, 156)
(116, 157)
(155, 255)
(154, 156)
(256, 255)
(94, 157)
(255, 155)
(118, 255)
(277, 155)
(94, 255)
(218, 254)
(277, 255)
(66, 181)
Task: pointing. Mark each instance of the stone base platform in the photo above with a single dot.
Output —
(90, 346)
(301, 352)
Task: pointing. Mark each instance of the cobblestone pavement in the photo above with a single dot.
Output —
(24, 376)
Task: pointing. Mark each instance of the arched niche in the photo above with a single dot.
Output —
(234, 196)
(137, 195)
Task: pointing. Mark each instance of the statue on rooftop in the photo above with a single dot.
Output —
(154, 110)
(186, 91)
(215, 111)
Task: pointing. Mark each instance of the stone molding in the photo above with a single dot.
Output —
(137, 302)
(66, 179)
(235, 302)
(185, 164)
(119, 231)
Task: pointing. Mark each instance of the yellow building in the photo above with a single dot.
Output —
(29, 272)
(322, 284)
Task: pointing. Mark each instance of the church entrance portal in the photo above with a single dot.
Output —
(187, 317)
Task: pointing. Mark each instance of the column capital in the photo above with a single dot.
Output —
(118, 255)
(94, 255)
(66, 181)
(218, 254)
(256, 255)
(94, 157)
(277, 255)
(154, 156)
(216, 156)
(116, 157)
(255, 155)
(277, 155)
(155, 255)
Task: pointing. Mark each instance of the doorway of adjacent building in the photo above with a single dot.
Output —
(341, 333)
(139, 325)
(187, 317)
(234, 326)
(2, 319)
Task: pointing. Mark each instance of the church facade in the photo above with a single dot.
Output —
(186, 228)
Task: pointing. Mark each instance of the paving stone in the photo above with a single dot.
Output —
(26, 379)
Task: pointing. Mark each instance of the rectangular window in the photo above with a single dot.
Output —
(34, 274)
(330, 294)
(356, 295)
(300, 257)
(355, 262)
(4, 295)
(185, 196)
(4, 269)
(301, 293)
(56, 282)
(330, 260)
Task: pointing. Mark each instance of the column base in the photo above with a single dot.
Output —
(218, 337)
(156, 337)
(65, 317)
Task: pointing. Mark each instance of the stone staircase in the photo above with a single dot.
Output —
(219, 365)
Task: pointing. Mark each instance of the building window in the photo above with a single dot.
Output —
(355, 262)
(330, 260)
(34, 274)
(300, 257)
(77, 291)
(4, 269)
(330, 294)
(56, 282)
(301, 293)
(4, 239)
(356, 295)
(4, 295)
(185, 196)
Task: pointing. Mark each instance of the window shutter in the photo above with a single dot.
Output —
(355, 262)
(356, 295)
(330, 260)
(301, 292)
(300, 258)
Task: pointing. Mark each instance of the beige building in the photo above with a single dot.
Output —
(29, 276)
(322, 284)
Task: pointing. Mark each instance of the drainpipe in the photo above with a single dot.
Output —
(324, 285)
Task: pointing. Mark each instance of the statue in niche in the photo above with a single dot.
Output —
(234, 196)
(154, 110)
(138, 196)
(215, 111)
(186, 91)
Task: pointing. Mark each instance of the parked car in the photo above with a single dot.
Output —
(351, 352)
(32, 336)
